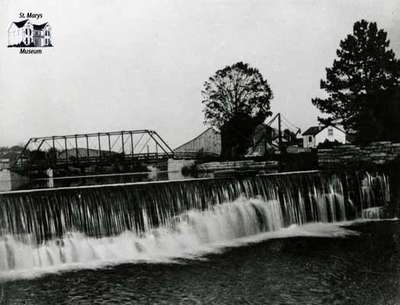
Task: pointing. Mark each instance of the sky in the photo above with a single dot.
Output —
(123, 65)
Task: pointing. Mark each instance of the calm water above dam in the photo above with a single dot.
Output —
(300, 238)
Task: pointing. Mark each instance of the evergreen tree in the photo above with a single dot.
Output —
(361, 85)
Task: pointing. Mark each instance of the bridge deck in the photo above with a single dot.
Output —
(82, 150)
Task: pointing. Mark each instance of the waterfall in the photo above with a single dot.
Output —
(81, 225)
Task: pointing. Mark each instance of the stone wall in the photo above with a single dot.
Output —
(270, 166)
(378, 153)
(175, 168)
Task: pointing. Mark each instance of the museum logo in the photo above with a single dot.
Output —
(30, 35)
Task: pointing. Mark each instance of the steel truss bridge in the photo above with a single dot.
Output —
(92, 149)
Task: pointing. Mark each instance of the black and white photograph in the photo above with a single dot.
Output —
(195, 152)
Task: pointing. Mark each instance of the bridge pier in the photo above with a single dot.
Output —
(175, 168)
(11, 181)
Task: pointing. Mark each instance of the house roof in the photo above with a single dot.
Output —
(195, 138)
(313, 130)
(20, 24)
(39, 26)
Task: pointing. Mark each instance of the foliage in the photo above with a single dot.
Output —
(10, 152)
(236, 99)
(237, 135)
(236, 89)
(361, 85)
(290, 137)
(329, 144)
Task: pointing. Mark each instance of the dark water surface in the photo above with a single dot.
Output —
(360, 269)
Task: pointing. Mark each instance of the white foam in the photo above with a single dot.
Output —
(189, 236)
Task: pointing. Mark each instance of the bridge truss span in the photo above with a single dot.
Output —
(92, 149)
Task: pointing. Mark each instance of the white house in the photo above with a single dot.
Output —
(20, 32)
(315, 135)
(24, 33)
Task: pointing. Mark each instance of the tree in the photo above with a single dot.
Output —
(236, 99)
(290, 137)
(329, 144)
(362, 84)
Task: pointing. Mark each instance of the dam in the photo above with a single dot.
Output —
(78, 227)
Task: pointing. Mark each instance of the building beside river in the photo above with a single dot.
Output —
(316, 135)
(208, 143)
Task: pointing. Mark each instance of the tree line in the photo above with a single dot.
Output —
(362, 93)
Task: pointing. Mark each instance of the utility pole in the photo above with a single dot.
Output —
(280, 132)
(265, 140)
(280, 142)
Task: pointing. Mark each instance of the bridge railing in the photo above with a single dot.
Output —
(95, 148)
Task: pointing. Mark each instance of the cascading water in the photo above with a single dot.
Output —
(104, 224)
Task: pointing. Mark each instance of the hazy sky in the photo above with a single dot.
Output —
(141, 64)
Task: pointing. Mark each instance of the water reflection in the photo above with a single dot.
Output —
(11, 181)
